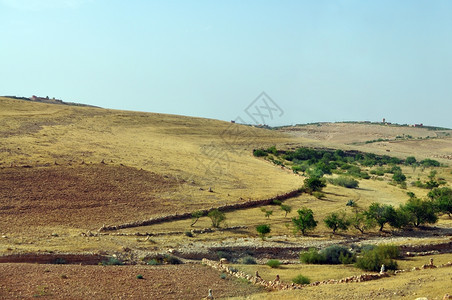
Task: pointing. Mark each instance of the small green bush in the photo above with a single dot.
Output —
(371, 260)
(318, 195)
(333, 254)
(172, 260)
(139, 276)
(248, 260)
(153, 262)
(259, 153)
(223, 276)
(273, 263)
(300, 279)
(112, 261)
(188, 233)
(312, 256)
(345, 181)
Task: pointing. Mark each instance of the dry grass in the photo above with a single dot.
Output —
(432, 284)
(181, 158)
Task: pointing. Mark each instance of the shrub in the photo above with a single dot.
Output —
(399, 177)
(259, 153)
(318, 195)
(373, 259)
(59, 261)
(333, 254)
(248, 260)
(188, 233)
(217, 217)
(139, 276)
(153, 262)
(312, 256)
(195, 216)
(112, 261)
(223, 276)
(300, 279)
(314, 184)
(345, 181)
(286, 208)
(263, 230)
(224, 254)
(273, 263)
(172, 260)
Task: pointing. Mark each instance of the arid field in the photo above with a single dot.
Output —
(67, 171)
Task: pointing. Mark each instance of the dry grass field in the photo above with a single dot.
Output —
(65, 170)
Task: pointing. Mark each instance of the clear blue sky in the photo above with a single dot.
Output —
(318, 60)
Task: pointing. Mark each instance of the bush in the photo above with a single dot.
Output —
(153, 262)
(259, 153)
(248, 260)
(300, 279)
(263, 230)
(312, 256)
(223, 276)
(273, 263)
(345, 181)
(139, 276)
(318, 195)
(112, 261)
(172, 260)
(371, 260)
(224, 254)
(188, 233)
(217, 217)
(333, 254)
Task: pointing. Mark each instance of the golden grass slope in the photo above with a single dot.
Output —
(197, 153)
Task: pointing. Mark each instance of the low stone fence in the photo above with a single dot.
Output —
(188, 215)
(278, 285)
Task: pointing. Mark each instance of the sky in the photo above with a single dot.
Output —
(272, 62)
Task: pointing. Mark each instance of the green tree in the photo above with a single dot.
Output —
(398, 177)
(314, 184)
(305, 220)
(420, 211)
(337, 221)
(217, 217)
(359, 221)
(286, 208)
(267, 213)
(442, 199)
(381, 213)
(195, 216)
(410, 160)
(263, 230)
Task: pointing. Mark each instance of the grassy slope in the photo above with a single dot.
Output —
(198, 153)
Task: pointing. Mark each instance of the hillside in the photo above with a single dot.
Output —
(66, 171)
(162, 162)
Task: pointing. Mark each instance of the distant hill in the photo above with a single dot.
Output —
(48, 100)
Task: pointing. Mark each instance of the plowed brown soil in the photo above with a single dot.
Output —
(83, 196)
(29, 281)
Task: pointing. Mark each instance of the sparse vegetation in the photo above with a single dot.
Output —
(372, 260)
(217, 217)
(345, 181)
(273, 263)
(305, 220)
(300, 279)
(263, 230)
(337, 220)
